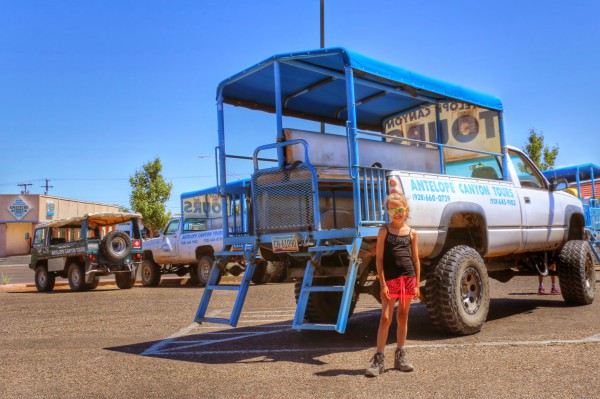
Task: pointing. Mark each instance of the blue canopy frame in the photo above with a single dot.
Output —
(575, 174)
(339, 87)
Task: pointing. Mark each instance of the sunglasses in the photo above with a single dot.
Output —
(400, 211)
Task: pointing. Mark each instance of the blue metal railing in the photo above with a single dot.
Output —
(374, 191)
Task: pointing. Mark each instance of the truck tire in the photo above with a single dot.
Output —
(116, 246)
(150, 273)
(44, 280)
(263, 271)
(76, 277)
(201, 271)
(324, 307)
(457, 292)
(280, 272)
(93, 285)
(125, 280)
(576, 273)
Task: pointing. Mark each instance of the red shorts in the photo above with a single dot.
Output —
(402, 287)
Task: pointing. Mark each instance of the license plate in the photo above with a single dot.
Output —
(284, 244)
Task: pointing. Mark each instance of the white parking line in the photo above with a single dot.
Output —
(180, 350)
(173, 346)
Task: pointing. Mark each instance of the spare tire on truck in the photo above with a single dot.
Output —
(116, 246)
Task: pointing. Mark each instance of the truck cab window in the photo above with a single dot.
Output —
(194, 225)
(486, 167)
(172, 227)
(39, 237)
(526, 172)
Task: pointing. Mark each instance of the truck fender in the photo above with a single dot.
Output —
(148, 255)
(449, 211)
(573, 213)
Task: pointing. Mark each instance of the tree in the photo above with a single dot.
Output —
(149, 194)
(536, 149)
(122, 208)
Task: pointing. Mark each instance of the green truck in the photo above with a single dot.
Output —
(81, 249)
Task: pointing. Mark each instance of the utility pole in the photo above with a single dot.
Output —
(24, 185)
(322, 43)
(322, 23)
(47, 187)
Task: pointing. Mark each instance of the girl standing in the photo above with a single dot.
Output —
(398, 270)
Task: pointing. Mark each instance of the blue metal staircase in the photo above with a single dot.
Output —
(242, 288)
(347, 289)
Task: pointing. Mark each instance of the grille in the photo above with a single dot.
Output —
(283, 200)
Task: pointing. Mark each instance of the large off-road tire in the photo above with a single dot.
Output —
(280, 272)
(201, 271)
(44, 280)
(116, 246)
(324, 307)
(263, 271)
(125, 280)
(93, 285)
(76, 277)
(576, 273)
(457, 292)
(150, 273)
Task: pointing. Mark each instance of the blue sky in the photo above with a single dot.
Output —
(91, 90)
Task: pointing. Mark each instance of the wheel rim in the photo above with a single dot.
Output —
(589, 271)
(76, 276)
(118, 245)
(42, 279)
(146, 273)
(205, 271)
(471, 290)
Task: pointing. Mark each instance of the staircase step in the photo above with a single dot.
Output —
(223, 287)
(229, 253)
(324, 288)
(329, 248)
(314, 326)
(214, 320)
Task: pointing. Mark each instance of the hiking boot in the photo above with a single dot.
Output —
(542, 291)
(555, 290)
(400, 362)
(377, 365)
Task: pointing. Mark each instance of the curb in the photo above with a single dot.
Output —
(164, 282)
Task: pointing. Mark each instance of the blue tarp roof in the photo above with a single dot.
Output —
(570, 172)
(322, 73)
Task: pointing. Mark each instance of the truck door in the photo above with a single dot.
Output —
(168, 246)
(542, 215)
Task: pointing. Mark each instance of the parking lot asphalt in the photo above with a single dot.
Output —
(142, 343)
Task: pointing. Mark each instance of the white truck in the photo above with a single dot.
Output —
(481, 208)
(188, 243)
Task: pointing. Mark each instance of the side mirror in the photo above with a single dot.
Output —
(27, 236)
(559, 184)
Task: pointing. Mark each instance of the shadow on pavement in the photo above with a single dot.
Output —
(277, 342)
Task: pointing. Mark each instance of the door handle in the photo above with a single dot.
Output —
(527, 200)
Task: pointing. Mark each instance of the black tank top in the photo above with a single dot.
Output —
(397, 256)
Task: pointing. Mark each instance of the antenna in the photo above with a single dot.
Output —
(24, 185)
